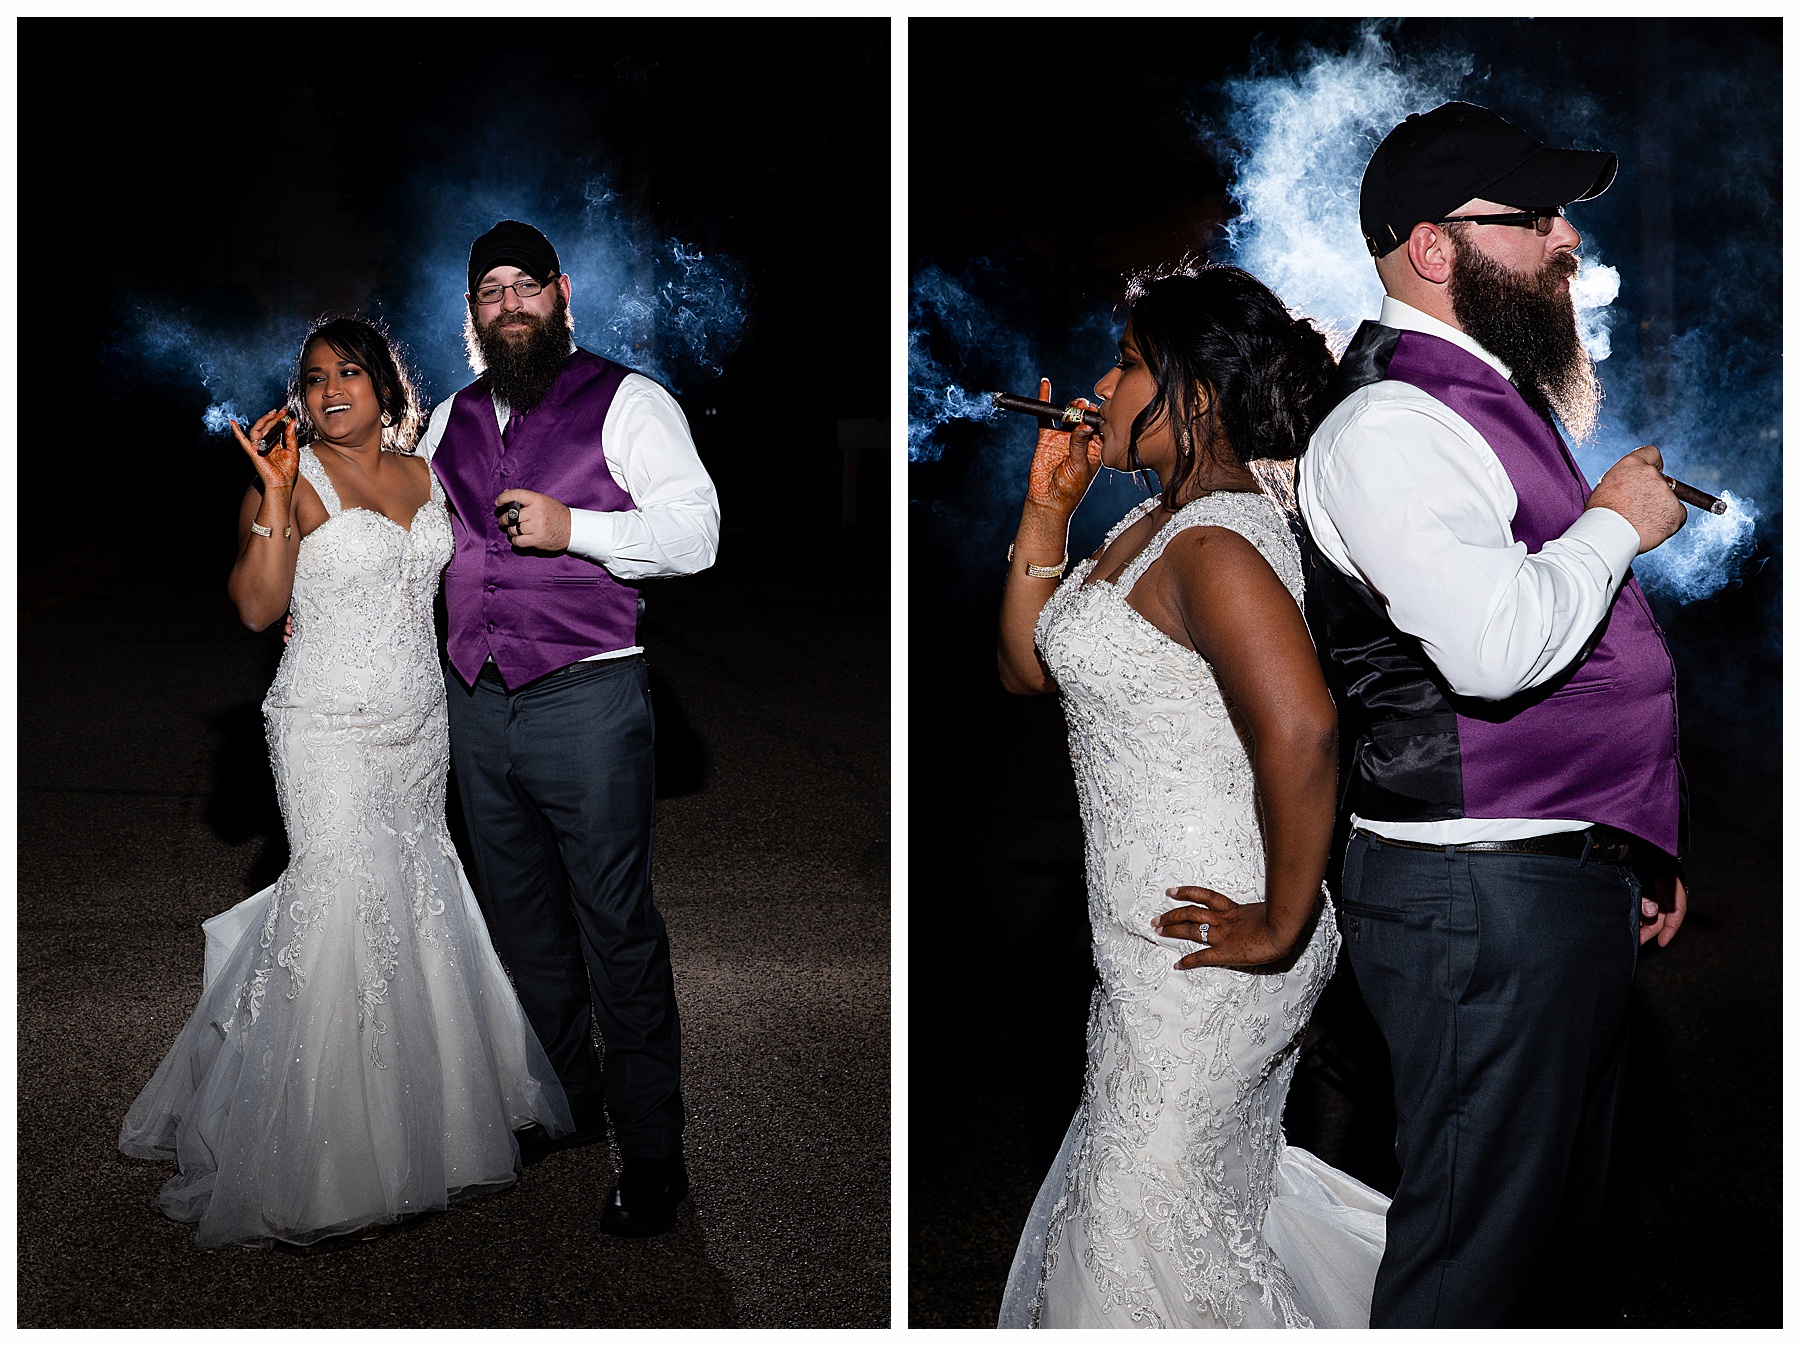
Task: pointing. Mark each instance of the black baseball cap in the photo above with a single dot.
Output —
(1434, 161)
(512, 243)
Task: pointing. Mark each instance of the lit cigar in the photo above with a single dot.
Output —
(1070, 415)
(1689, 495)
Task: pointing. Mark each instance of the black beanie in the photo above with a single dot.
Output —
(511, 243)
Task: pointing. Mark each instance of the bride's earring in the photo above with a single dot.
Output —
(386, 419)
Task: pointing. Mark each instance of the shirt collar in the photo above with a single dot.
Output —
(1409, 319)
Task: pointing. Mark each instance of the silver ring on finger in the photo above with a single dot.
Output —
(1205, 932)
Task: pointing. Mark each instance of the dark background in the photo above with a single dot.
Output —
(228, 182)
(1005, 120)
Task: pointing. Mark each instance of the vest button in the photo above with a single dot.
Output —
(490, 626)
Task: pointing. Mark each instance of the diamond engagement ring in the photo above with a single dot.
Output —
(1205, 931)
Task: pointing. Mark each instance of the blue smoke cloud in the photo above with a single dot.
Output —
(943, 317)
(1299, 138)
(239, 371)
(652, 301)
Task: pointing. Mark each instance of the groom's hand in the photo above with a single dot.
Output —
(1663, 913)
(543, 521)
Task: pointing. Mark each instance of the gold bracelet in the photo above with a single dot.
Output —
(1040, 572)
(261, 531)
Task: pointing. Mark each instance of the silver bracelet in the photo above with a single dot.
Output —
(1040, 572)
(260, 531)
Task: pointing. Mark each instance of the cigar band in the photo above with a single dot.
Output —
(1071, 415)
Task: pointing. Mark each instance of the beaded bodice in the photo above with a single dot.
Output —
(364, 646)
(1160, 766)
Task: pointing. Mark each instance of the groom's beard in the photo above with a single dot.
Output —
(1528, 322)
(520, 371)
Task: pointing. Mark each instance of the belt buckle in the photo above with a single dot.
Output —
(1612, 852)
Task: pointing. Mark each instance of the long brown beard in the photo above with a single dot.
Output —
(519, 373)
(1528, 322)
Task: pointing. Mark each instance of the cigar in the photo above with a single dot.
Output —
(272, 436)
(1070, 415)
(1690, 495)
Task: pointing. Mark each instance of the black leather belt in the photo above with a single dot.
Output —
(1600, 844)
(490, 671)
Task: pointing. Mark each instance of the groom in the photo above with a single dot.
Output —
(1508, 705)
(569, 477)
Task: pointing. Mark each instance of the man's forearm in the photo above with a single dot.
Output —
(646, 543)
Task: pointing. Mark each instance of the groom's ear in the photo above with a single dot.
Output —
(1429, 251)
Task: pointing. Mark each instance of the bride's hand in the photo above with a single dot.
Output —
(1231, 934)
(1063, 465)
(279, 467)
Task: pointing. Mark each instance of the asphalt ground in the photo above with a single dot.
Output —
(145, 806)
(998, 1005)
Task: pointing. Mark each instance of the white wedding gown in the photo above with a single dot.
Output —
(1175, 1201)
(358, 1055)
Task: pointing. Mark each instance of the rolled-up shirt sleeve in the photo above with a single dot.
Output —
(1404, 495)
(673, 528)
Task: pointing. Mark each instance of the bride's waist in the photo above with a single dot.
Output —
(335, 627)
(1126, 784)
(1151, 850)
(387, 677)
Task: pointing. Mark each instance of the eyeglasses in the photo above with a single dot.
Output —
(525, 287)
(1541, 220)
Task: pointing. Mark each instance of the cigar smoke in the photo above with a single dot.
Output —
(650, 300)
(235, 369)
(968, 336)
(947, 327)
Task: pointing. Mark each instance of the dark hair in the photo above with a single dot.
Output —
(1221, 329)
(367, 344)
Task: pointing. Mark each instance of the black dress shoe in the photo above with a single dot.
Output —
(646, 1198)
(535, 1143)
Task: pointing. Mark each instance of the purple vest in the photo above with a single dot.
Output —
(532, 614)
(1599, 742)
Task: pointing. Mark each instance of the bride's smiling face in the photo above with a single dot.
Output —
(340, 398)
(1124, 391)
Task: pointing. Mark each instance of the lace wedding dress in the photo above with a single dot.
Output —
(358, 1055)
(1175, 1201)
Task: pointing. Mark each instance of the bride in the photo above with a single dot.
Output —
(1204, 746)
(357, 1056)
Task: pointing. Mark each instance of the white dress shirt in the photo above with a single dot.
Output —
(674, 527)
(1400, 491)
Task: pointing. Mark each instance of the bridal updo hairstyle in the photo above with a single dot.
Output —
(1221, 329)
(367, 345)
